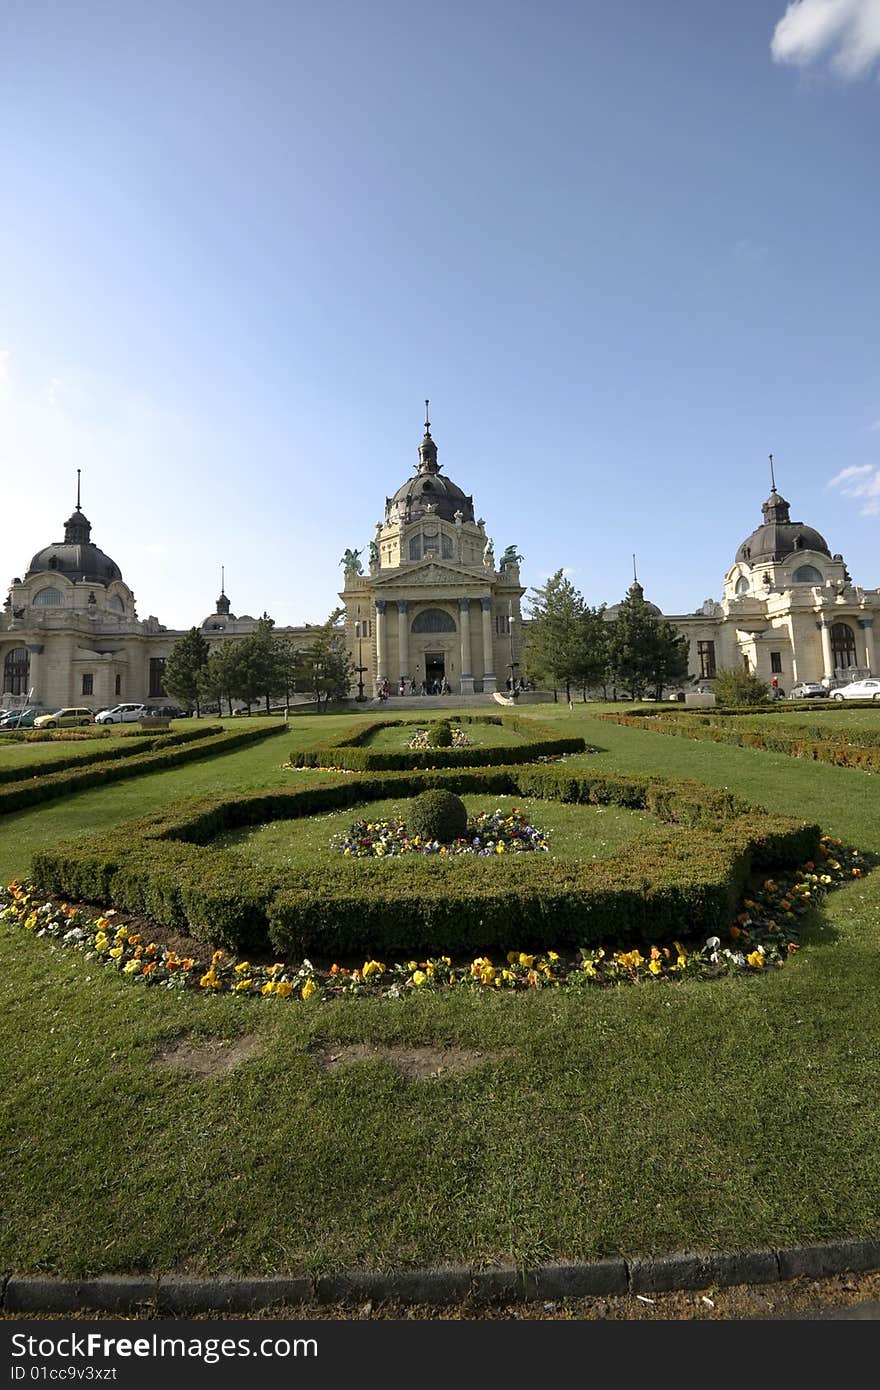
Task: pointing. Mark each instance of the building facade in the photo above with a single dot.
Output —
(431, 605)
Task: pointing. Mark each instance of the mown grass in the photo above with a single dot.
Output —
(15, 753)
(575, 832)
(738, 1113)
(480, 735)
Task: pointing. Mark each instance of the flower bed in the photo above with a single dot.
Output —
(761, 936)
(490, 832)
(350, 751)
(422, 739)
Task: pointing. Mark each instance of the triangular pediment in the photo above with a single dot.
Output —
(432, 573)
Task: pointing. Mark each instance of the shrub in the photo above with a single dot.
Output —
(740, 687)
(350, 751)
(440, 734)
(437, 815)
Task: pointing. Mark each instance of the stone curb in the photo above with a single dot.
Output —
(181, 1295)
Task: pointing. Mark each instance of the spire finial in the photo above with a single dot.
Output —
(427, 421)
(223, 579)
(635, 573)
(772, 475)
(78, 472)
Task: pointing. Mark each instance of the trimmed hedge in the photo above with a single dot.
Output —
(172, 751)
(152, 743)
(349, 752)
(859, 748)
(165, 867)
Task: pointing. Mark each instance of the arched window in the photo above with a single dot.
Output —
(807, 574)
(116, 604)
(742, 585)
(415, 548)
(15, 671)
(843, 646)
(48, 598)
(433, 620)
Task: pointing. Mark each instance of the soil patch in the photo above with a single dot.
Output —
(415, 1062)
(207, 1056)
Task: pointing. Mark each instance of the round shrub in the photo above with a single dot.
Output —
(440, 734)
(437, 815)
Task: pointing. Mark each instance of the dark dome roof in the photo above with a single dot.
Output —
(411, 501)
(636, 590)
(779, 536)
(76, 556)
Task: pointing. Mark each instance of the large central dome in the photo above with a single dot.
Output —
(428, 493)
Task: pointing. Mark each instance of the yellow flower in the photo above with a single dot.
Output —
(552, 955)
(115, 952)
(419, 978)
(589, 968)
(630, 960)
(217, 957)
(101, 941)
(756, 960)
(655, 967)
(268, 987)
(487, 974)
(372, 967)
(210, 979)
(512, 957)
(242, 985)
(284, 988)
(308, 989)
(132, 967)
(526, 960)
(240, 969)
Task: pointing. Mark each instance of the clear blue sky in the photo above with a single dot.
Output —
(627, 250)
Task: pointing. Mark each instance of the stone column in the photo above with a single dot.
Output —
(824, 627)
(867, 626)
(35, 672)
(403, 635)
(380, 641)
(464, 618)
(489, 680)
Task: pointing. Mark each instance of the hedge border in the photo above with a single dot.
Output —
(347, 751)
(132, 748)
(164, 868)
(18, 796)
(838, 751)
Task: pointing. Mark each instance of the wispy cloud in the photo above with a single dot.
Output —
(843, 33)
(875, 425)
(861, 482)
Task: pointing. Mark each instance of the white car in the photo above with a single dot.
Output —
(858, 690)
(121, 714)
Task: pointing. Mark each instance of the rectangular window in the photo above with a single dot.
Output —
(706, 657)
(157, 671)
(118, 687)
(88, 683)
(776, 663)
(502, 625)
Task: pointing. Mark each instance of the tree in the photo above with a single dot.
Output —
(566, 643)
(646, 651)
(670, 657)
(324, 668)
(184, 669)
(218, 678)
(737, 686)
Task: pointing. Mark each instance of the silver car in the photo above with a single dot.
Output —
(808, 690)
(121, 714)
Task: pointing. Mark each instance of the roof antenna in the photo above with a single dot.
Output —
(427, 421)
(772, 475)
(78, 472)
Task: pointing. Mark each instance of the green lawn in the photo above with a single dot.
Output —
(738, 1113)
(575, 832)
(480, 735)
(15, 753)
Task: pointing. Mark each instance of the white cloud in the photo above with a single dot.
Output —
(863, 484)
(846, 33)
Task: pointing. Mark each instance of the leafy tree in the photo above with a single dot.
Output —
(565, 645)
(737, 686)
(324, 668)
(184, 669)
(646, 652)
(219, 676)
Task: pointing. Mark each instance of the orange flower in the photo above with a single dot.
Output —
(148, 969)
(734, 931)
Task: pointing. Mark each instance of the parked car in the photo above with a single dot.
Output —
(165, 711)
(21, 718)
(858, 690)
(808, 690)
(66, 718)
(121, 714)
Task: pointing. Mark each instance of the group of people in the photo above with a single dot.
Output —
(409, 687)
(515, 686)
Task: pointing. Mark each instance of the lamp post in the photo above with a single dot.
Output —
(360, 668)
(513, 665)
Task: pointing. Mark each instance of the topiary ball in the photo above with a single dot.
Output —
(440, 734)
(437, 815)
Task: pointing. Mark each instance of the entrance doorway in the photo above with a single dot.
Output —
(435, 669)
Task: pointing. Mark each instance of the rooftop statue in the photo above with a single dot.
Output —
(352, 561)
(510, 557)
